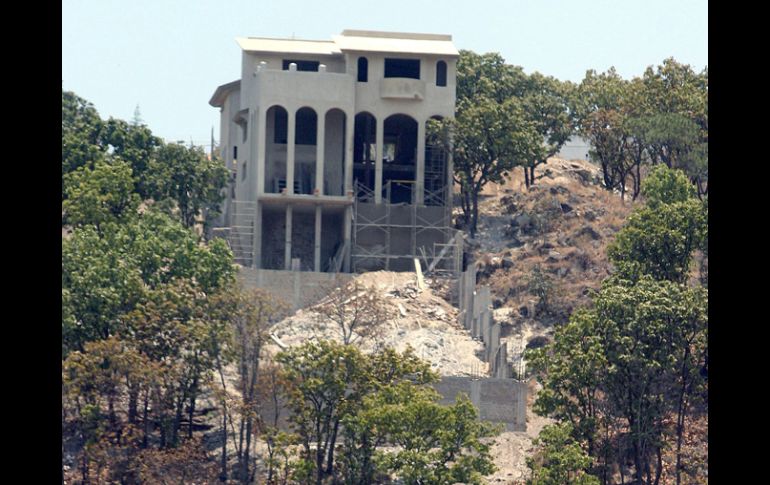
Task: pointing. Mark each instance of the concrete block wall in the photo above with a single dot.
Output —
(499, 401)
(476, 316)
(297, 289)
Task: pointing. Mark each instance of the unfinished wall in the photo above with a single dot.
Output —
(297, 289)
(499, 401)
(303, 238)
(273, 238)
(476, 316)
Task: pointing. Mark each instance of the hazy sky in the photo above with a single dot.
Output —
(168, 56)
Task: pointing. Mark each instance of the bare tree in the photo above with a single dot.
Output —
(358, 312)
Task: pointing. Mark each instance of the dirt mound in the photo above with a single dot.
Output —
(421, 319)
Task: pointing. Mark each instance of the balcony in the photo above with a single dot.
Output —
(402, 88)
(305, 86)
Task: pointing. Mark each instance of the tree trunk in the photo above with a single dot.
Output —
(474, 213)
(526, 177)
(145, 418)
(531, 175)
(330, 457)
(133, 403)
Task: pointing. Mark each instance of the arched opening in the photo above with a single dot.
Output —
(277, 130)
(334, 152)
(441, 73)
(399, 153)
(305, 139)
(363, 70)
(364, 153)
(435, 166)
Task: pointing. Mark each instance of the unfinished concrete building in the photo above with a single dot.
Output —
(326, 143)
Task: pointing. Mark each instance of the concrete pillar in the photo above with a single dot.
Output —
(317, 239)
(420, 168)
(349, 131)
(379, 140)
(347, 227)
(260, 150)
(287, 239)
(290, 151)
(320, 144)
(256, 249)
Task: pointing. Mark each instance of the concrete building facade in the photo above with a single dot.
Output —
(326, 143)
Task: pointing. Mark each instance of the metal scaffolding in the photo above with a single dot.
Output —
(374, 227)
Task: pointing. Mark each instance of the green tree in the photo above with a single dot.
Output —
(634, 357)
(99, 194)
(559, 459)
(666, 186)
(437, 444)
(660, 239)
(187, 179)
(488, 140)
(107, 274)
(547, 104)
(81, 129)
(326, 384)
(134, 143)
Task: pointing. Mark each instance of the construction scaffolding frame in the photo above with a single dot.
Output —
(240, 233)
(379, 222)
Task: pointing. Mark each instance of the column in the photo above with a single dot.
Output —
(350, 119)
(317, 239)
(348, 243)
(420, 168)
(256, 249)
(380, 130)
(287, 239)
(259, 149)
(320, 144)
(290, 150)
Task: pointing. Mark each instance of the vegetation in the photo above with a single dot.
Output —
(154, 327)
(628, 373)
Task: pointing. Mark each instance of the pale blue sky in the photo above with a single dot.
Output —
(168, 56)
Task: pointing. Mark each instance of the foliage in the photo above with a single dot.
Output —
(542, 286)
(559, 459)
(135, 144)
(379, 400)
(106, 274)
(661, 241)
(189, 179)
(666, 186)
(81, 129)
(437, 444)
(633, 358)
(100, 194)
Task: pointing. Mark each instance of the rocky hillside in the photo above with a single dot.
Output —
(542, 250)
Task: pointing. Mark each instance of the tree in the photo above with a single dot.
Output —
(633, 357)
(134, 143)
(488, 139)
(547, 104)
(559, 459)
(359, 312)
(100, 194)
(660, 239)
(81, 129)
(107, 274)
(440, 445)
(188, 179)
(327, 383)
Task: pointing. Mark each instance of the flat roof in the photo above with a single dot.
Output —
(357, 40)
(295, 46)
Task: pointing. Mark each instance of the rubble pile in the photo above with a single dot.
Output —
(419, 318)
